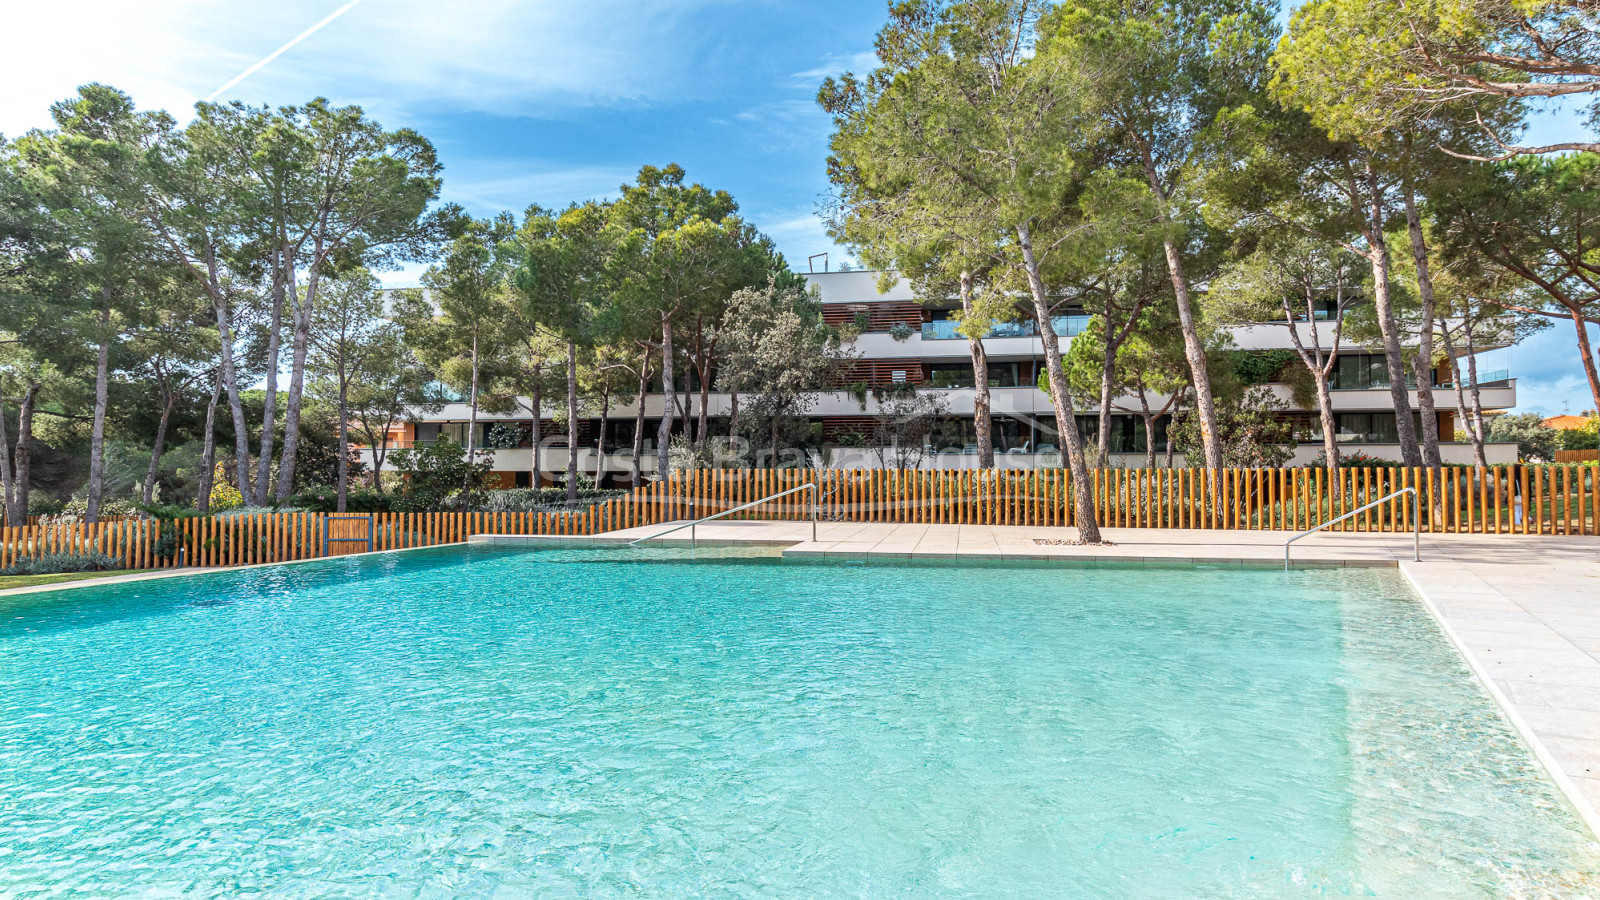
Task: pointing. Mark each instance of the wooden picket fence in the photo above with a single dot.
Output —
(1538, 500)
(1554, 500)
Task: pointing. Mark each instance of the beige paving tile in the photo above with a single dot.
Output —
(1533, 692)
(1579, 758)
(1515, 642)
(1563, 723)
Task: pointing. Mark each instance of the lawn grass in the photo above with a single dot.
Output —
(21, 581)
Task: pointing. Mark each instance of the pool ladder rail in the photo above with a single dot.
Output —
(728, 512)
(1416, 524)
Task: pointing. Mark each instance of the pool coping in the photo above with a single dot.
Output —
(799, 551)
(200, 570)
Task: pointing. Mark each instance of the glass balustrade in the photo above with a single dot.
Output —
(945, 329)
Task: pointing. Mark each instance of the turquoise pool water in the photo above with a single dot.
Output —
(605, 723)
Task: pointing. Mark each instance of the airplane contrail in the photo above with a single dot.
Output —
(284, 49)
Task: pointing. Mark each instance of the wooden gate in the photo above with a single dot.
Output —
(343, 534)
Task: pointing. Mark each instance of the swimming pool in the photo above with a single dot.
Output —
(602, 723)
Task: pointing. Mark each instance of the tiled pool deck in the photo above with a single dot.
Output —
(1525, 611)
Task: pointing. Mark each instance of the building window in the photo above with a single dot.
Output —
(1365, 427)
(950, 375)
(959, 375)
(1127, 433)
(1365, 372)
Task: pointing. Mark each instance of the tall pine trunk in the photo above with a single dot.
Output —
(208, 449)
(703, 426)
(158, 446)
(7, 486)
(536, 430)
(297, 382)
(1475, 394)
(229, 374)
(1469, 425)
(600, 441)
(572, 424)
(1378, 255)
(1108, 374)
(1422, 363)
(638, 420)
(23, 457)
(472, 419)
(15, 465)
(1149, 430)
(1194, 349)
(982, 415)
(269, 413)
(1585, 353)
(344, 442)
(1066, 419)
(1330, 437)
(97, 432)
(668, 401)
(9, 515)
(1320, 366)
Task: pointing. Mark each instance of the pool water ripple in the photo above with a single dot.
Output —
(600, 723)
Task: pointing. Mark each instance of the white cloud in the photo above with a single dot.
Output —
(145, 49)
(1553, 397)
(857, 63)
(784, 126)
(798, 233)
(492, 56)
(1550, 378)
(488, 186)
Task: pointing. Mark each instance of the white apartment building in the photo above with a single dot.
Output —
(906, 342)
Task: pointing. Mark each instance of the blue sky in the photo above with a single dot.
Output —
(541, 102)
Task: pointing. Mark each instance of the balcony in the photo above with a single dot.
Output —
(1379, 381)
(945, 329)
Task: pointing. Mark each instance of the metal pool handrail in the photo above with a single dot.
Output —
(729, 512)
(1416, 524)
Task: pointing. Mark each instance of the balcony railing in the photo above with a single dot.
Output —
(1485, 379)
(945, 329)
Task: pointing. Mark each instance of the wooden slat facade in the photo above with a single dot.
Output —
(880, 316)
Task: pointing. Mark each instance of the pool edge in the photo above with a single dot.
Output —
(200, 570)
(1530, 738)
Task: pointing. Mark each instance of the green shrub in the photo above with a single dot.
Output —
(256, 511)
(1251, 434)
(1584, 437)
(438, 477)
(541, 499)
(41, 505)
(506, 436)
(169, 511)
(325, 498)
(58, 563)
(108, 508)
(1354, 459)
(166, 546)
(1536, 441)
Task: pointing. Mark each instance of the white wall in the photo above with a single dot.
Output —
(1497, 454)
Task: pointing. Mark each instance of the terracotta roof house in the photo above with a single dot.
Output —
(1566, 423)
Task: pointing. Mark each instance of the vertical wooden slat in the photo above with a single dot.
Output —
(1565, 493)
(1585, 477)
(1474, 497)
(1495, 494)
